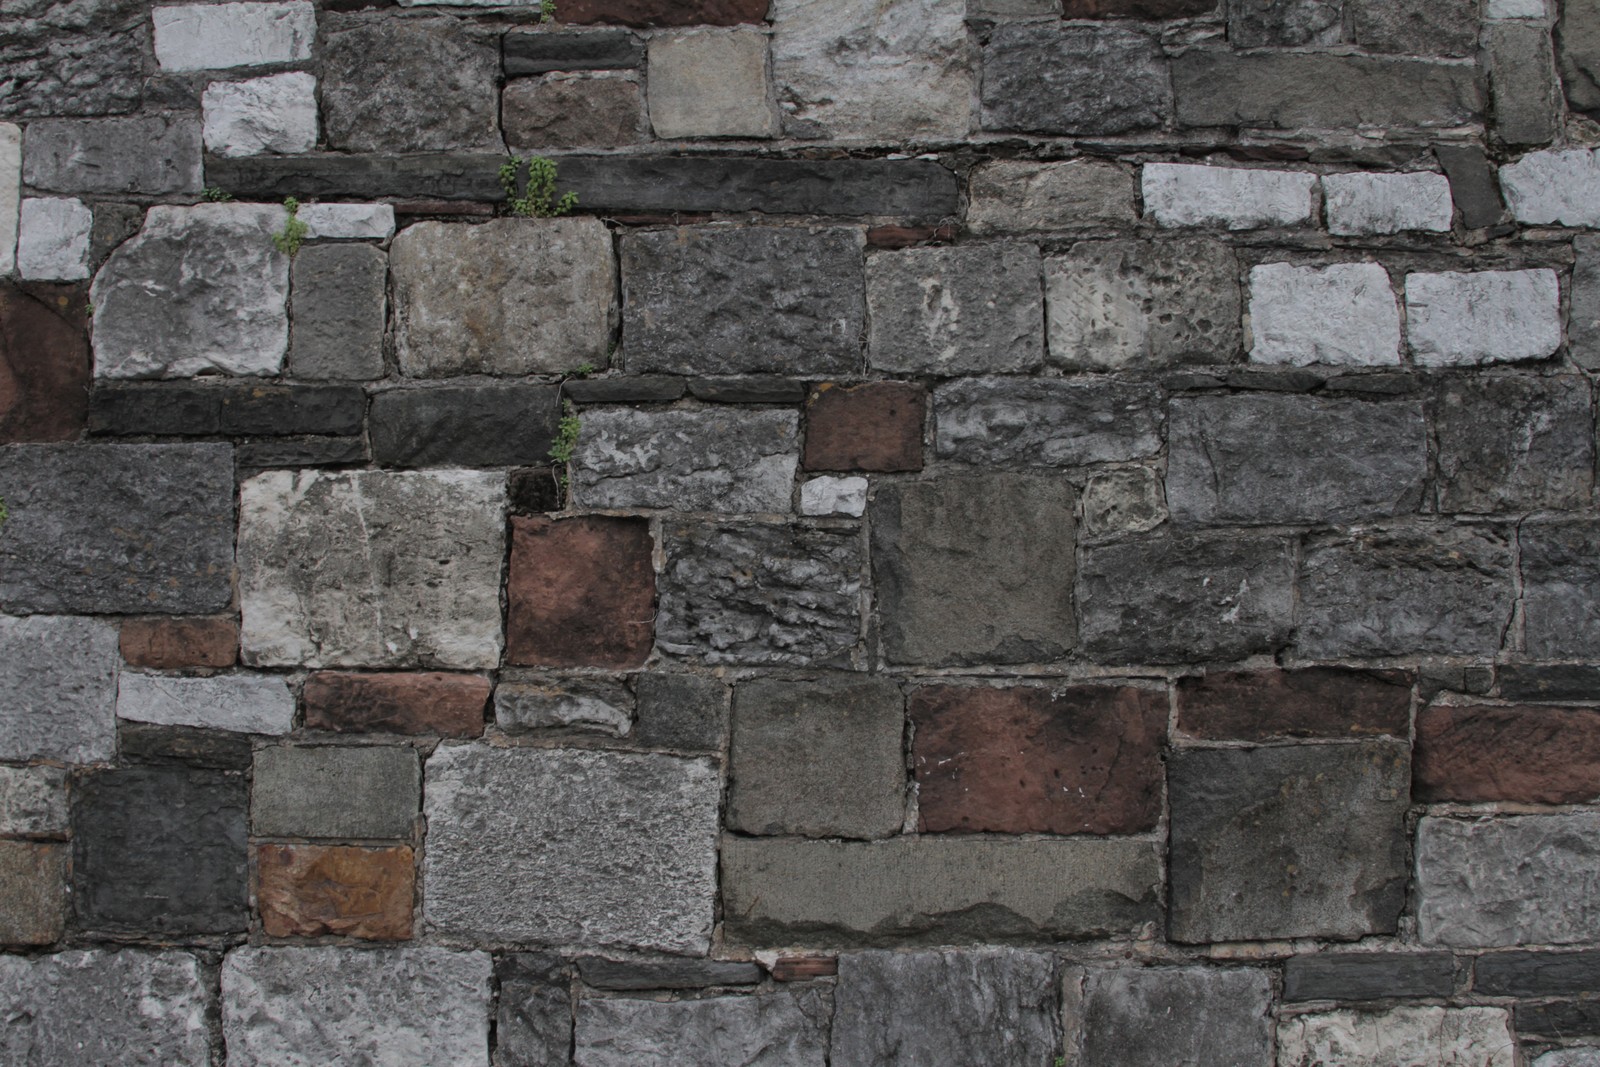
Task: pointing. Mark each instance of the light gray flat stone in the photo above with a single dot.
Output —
(1457, 318)
(834, 496)
(1344, 314)
(216, 36)
(272, 114)
(33, 801)
(1015, 195)
(1559, 186)
(347, 221)
(1021, 422)
(960, 310)
(240, 702)
(1363, 203)
(53, 239)
(710, 83)
(1186, 194)
(1422, 1036)
(585, 704)
(58, 688)
(788, 1028)
(10, 193)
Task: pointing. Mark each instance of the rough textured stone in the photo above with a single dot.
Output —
(1186, 598)
(1415, 27)
(371, 568)
(153, 155)
(935, 889)
(58, 677)
(1047, 423)
(637, 831)
(1588, 1056)
(335, 791)
(759, 389)
(1559, 615)
(182, 746)
(1243, 867)
(764, 1030)
(665, 12)
(1186, 194)
(583, 110)
(160, 851)
(1472, 184)
(10, 193)
(1459, 318)
(1536, 974)
(1301, 23)
(1340, 314)
(214, 36)
(760, 594)
(446, 705)
(1010, 195)
(1131, 305)
(44, 361)
(533, 1025)
(1554, 682)
(1394, 592)
(349, 222)
(1578, 53)
(710, 83)
(131, 1007)
(223, 407)
(541, 53)
(1522, 82)
(581, 592)
(1583, 322)
(1369, 975)
(789, 300)
(944, 1007)
(819, 757)
(1423, 1036)
(243, 702)
(316, 890)
(66, 58)
(481, 425)
(630, 459)
(1080, 759)
(33, 801)
(172, 644)
(1180, 1015)
(834, 496)
(804, 968)
(1558, 1018)
(1557, 186)
(326, 1004)
(277, 113)
(1127, 500)
(337, 312)
(1530, 755)
(966, 309)
(1049, 78)
(1312, 702)
(642, 974)
(876, 426)
(1514, 444)
(376, 107)
(681, 711)
(584, 704)
(32, 892)
(1274, 458)
(53, 239)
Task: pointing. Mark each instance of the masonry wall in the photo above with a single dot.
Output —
(991, 535)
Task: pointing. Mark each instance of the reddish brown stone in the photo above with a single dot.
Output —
(1081, 760)
(1138, 9)
(172, 644)
(582, 593)
(449, 705)
(872, 427)
(408, 209)
(1533, 755)
(662, 12)
(908, 236)
(312, 890)
(33, 892)
(1315, 702)
(45, 369)
(801, 968)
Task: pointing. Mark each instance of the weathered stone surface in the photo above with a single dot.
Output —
(1243, 867)
(834, 496)
(936, 889)
(1423, 1036)
(1583, 321)
(1045, 423)
(172, 644)
(1554, 682)
(214, 36)
(326, 1004)
(1532, 755)
(58, 677)
(580, 703)
(1556, 186)
(967, 309)
(1144, 1015)
(804, 968)
(32, 892)
(875, 426)
(1536, 974)
(132, 1007)
(446, 705)
(757, 389)
(153, 156)
(1415, 27)
(1369, 975)
(864, 71)
(1472, 184)
(581, 592)
(533, 1026)
(349, 222)
(1121, 501)
(1578, 53)
(645, 389)
(1187, 194)
(642, 974)
(1131, 305)
(335, 791)
(819, 757)
(53, 239)
(583, 110)
(33, 801)
(10, 193)
(1514, 444)
(1275, 458)
(1301, 23)
(1008, 195)
(541, 53)
(630, 459)
(160, 851)
(788, 300)
(483, 425)
(182, 746)
(1041, 77)
(1460, 318)
(316, 890)
(44, 361)
(337, 311)
(1312, 702)
(243, 702)
(1558, 1018)
(681, 711)
(1522, 82)
(1186, 598)
(944, 1007)
(665, 12)
(371, 568)
(1560, 618)
(1394, 592)
(277, 113)
(1080, 759)
(65, 58)
(710, 83)
(637, 831)
(1588, 1056)
(760, 594)
(223, 407)
(762, 1030)
(1342, 314)
(200, 288)
(377, 107)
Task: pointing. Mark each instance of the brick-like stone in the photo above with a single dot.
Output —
(834, 496)
(681, 711)
(1008, 195)
(371, 568)
(10, 193)
(665, 12)
(956, 310)
(216, 36)
(1415, 27)
(277, 113)
(1301, 23)
(33, 801)
(1142, 1015)
(335, 791)
(337, 313)
(53, 239)
(1536, 974)
(1457, 318)
(33, 892)
(1041, 77)
(1560, 619)
(44, 360)
(547, 814)
(482, 425)
(1558, 1018)
(581, 592)
(603, 109)
(429, 704)
(627, 458)
(1578, 54)
(1342, 314)
(1583, 322)
(876, 426)
(1422, 1036)
(1586, 1056)
(158, 155)
(1046, 423)
(1554, 187)
(1186, 194)
(348, 222)
(243, 702)
(1269, 705)
(1243, 866)
(1369, 975)
(172, 644)
(1472, 184)
(317, 890)
(1080, 759)
(820, 757)
(804, 968)
(1514, 444)
(758, 389)
(59, 680)
(1122, 501)
(1532, 755)
(644, 974)
(182, 746)
(222, 407)
(598, 705)
(710, 83)
(1522, 82)
(1563, 681)
(535, 52)
(788, 1027)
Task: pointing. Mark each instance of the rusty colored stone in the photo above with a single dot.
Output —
(313, 890)
(448, 705)
(876, 426)
(1084, 759)
(1315, 702)
(1527, 754)
(663, 12)
(45, 370)
(33, 893)
(801, 968)
(909, 236)
(1137, 9)
(581, 592)
(172, 644)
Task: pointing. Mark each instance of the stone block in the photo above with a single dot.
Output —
(533, 1026)
(1186, 598)
(335, 791)
(337, 313)
(58, 685)
(645, 389)
(758, 389)
(1369, 975)
(217, 36)
(1187, 194)
(1243, 867)
(954, 310)
(1560, 619)
(1343, 314)
(1135, 305)
(1514, 444)
(277, 113)
(288, 409)
(481, 425)
(182, 746)
(1562, 681)
(875, 426)
(1578, 55)
(1423, 1036)
(53, 239)
(636, 974)
(1446, 591)
(429, 704)
(1487, 754)
(834, 496)
(243, 702)
(547, 814)
(1472, 184)
(1583, 321)
(1271, 705)
(820, 757)
(63, 59)
(1011, 195)
(1361, 203)
(1072, 760)
(1459, 318)
(627, 458)
(1144, 1015)
(1536, 974)
(156, 155)
(756, 594)
(788, 1027)
(936, 889)
(172, 644)
(1122, 501)
(33, 801)
(33, 892)
(1566, 1019)
(10, 193)
(1587, 1056)
(1044, 422)
(681, 711)
(325, 1004)
(371, 568)
(1300, 24)
(1041, 77)
(44, 358)
(944, 1007)
(581, 592)
(160, 852)
(603, 109)
(1559, 186)
(665, 12)
(1415, 27)
(319, 890)
(1522, 82)
(580, 703)
(537, 52)
(347, 222)
(710, 83)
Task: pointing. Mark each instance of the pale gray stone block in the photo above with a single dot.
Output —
(335, 791)
(1238, 198)
(1363, 203)
(53, 239)
(834, 496)
(1460, 318)
(347, 221)
(1420, 1036)
(1560, 186)
(788, 1028)
(710, 83)
(1344, 314)
(217, 36)
(585, 704)
(10, 193)
(1021, 422)
(962, 310)
(58, 688)
(240, 702)
(272, 114)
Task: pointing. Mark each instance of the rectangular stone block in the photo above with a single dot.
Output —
(681, 711)
(1185, 194)
(58, 688)
(437, 704)
(216, 36)
(158, 155)
(335, 791)
(541, 53)
(53, 239)
(33, 801)
(1021, 422)
(1472, 184)
(966, 309)
(301, 452)
(875, 426)
(1536, 974)
(1566, 1019)
(533, 1026)
(1460, 318)
(173, 644)
(33, 892)
(277, 113)
(1360, 203)
(1018, 195)
(1369, 975)
(602, 109)
(1271, 705)
(182, 746)
(242, 702)
(644, 974)
(348, 222)
(1041, 77)
(1583, 319)
(1564, 681)
(337, 311)
(789, 1027)
(1416, 27)
(10, 193)
(597, 705)
(1145, 1015)
(1514, 444)
(1343, 314)
(318, 890)
(480, 425)
(1560, 619)
(710, 83)
(665, 12)
(1523, 85)
(44, 351)
(581, 592)
(1557, 186)
(1424, 1036)
(627, 458)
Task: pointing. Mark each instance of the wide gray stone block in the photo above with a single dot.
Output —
(1370, 975)
(338, 312)
(1514, 444)
(1560, 565)
(147, 156)
(596, 704)
(241, 702)
(1020, 422)
(787, 1028)
(58, 689)
(967, 309)
(74, 58)
(1299, 23)
(1042, 77)
(335, 791)
(1466, 318)
(485, 424)
(1137, 1016)
(1416, 27)
(1343, 314)
(1554, 186)
(213, 36)
(1238, 198)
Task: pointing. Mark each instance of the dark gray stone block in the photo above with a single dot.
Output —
(758, 390)
(1415, 27)
(1137, 1016)
(1019, 422)
(967, 309)
(1562, 681)
(1369, 975)
(534, 1022)
(143, 742)
(1559, 1018)
(1578, 52)
(681, 711)
(66, 57)
(786, 1027)
(337, 312)
(1273, 24)
(1536, 974)
(335, 791)
(541, 53)
(149, 155)
(195, 409)
(1473, 185)
(1583, 324)
(336, 176)
(302, 452)
(646, 389)
(293, 409)
(465, 425)
(637, 974)
(1522, 82)
(1560, 569)
(1043, 77)
(1514, 444)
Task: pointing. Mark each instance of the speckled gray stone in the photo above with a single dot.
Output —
(1021, 422)
(338, 312)
(335, 791)
(33, 801)
(1046, 77)
(595, 704)
(1561, 619)
(1514, 444)
(58, 689)
(788, 1028)
(960, 310)
(1137, 1016)
(147, 155)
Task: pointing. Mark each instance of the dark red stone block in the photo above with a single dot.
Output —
(872, 427)
(173, 644)
(1527, 754)
(803, 968)
(45, 368)
(661, 12)
(1315, 702)
(582, 593)
(449, 705)
(909, 236)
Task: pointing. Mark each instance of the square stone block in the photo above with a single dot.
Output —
(58, 688)
(876, 426)
(581, 592)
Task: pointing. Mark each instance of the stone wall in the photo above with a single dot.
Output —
(998, 533)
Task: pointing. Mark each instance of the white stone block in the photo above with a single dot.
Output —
(1387, 203)
(1184, 194)
(272, 114)
(1343, 315)
(833, 496)
(1554, 187)
(10, 193)
(1417, 1037)
(241, 702)
(53, 239)
(710, 83)
(1514, 9)
(217, 36)
(348, 221)
(1459, 319)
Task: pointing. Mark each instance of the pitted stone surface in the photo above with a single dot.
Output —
(598, 705)
(215, 36)
(66, 58)
(1419, 27)
(1344, 314)
(371, 568)
(1516, 754)
(58, 682)
(1019, 195)
(781, 1029)
(1419, 1036)
(1272, 705)
(33, 801)
(243, 702)
(1134, 1016)
(1020, 422)
(304, 1005)
(710, 83)
(611, 849)
(1459, 318)
(315, 890)
(1560, 186)
(600, 109)
(1186, 194)
(1125, 500)
(958, 310)
(1514, 444)
(1559, 567)
(335, 791)
(1387, 203)
(146, 155)
(681, 711)
(1041, 77)
(1300, 23)
(272, 114)
(53, 239)
(337, 310)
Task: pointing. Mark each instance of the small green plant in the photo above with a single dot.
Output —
(293, 234)
(547, 10)
(216, 195)
(4, 514)
(537, 199)
(583, 370)
(566, 437)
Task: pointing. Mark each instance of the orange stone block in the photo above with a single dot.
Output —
(449, 705)
(312, 890)
(172, 644)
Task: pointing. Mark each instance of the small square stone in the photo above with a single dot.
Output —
(337, 312)
(316, 890)
(710, 83)
(876, 426)
(581, 592)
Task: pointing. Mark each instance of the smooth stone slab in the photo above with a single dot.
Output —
(966, 309)
(335, 791)
(1043, 77)
(643, 974)
(728, 460)
(1418, 1036)
(788, 1028)
(277, 113)
(1561, 619)
(1360, 203)
(10, 193)
(216, 36)
(1583, 321)
(542, 53)
(1133, 1016)
(1536, 974)
(1020, 422)
(1458, 318)
(58, 682)
(1186, 194)
(498, 424)
(242, 703)
(347, 221)
(710, 83)
(155, 155)
(53, 239)
(1523, 86)
(33, 801)
(1008, 195)
(1344, 314)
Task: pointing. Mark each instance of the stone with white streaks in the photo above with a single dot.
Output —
(1459, 318)
(1238, 198)
(1343, 314)
(273, 114)
(347, 221)
(1360, 203)
(834, 496)
(217, 36)
(240, 702)
(1421, 1036)
(53, 239)
(1561, 186)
